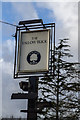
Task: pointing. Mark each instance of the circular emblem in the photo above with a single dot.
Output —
(33, 57)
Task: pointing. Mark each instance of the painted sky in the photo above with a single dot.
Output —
(64, 14)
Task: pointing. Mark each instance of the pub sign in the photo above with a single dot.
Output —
(33, 51)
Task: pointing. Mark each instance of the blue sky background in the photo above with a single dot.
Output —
(64, 14)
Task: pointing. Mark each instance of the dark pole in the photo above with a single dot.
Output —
(32, 103)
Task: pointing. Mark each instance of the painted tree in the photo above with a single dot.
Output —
(61, 89)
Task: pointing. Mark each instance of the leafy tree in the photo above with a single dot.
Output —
(62, 88)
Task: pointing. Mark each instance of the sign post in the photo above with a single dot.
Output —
(34, 50)
(32, 103)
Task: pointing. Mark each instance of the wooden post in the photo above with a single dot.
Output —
(32, 103)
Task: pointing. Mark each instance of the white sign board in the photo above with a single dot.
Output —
(33, 51)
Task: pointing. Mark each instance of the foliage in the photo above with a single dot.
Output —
(61, 88)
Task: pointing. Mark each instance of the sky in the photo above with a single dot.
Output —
(63, 14)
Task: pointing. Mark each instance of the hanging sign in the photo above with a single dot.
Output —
(33, 51)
